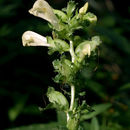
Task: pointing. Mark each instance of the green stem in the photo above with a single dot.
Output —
(72, 86)
(72, 51)
(72, 97)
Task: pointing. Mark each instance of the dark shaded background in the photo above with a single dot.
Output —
(26, 72)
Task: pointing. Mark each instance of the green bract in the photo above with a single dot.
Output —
(72, 50)
(58, 100)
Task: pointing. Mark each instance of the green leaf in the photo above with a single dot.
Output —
(98, 110)
(61, 45)
(62, 119)
(58, 99)
(70, 8)
(48, 126)
(65, 70)
(14, 112)
(61, 15)
(94, 124)
(57, 45)
(125, 87)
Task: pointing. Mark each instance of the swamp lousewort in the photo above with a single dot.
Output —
(64, 23)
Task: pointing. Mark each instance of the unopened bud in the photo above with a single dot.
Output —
(84, 9)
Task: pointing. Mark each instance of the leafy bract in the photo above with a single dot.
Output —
(58, 45)
(65, 69)
(58, 100)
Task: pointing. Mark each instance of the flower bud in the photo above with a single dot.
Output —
(84, 9)
(90, 17)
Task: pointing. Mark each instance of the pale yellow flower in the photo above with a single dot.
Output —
(30, 38)
(43, 10)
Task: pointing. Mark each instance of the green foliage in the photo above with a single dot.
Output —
(98, 109)
(49, 126)
(20, 67)
(66, 70)
(94, 124)
(58, 100)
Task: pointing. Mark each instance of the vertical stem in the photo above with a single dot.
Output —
(72, 51)
(72, 97)
(72, 86)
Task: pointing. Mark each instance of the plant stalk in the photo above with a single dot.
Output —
(72, 86)
(72, 51)
(72, 97)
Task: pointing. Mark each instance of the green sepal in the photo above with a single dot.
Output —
(58, 100)
(90, 17)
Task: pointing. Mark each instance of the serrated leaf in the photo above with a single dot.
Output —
(58, 45)
(58, 100)
(61, 45)
(65, 70)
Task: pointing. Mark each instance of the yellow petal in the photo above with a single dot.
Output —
(43, 10)
(30, 38)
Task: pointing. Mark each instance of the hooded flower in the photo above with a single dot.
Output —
(43, 10)
(30, 38)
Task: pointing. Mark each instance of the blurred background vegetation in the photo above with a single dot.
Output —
(26, 72)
